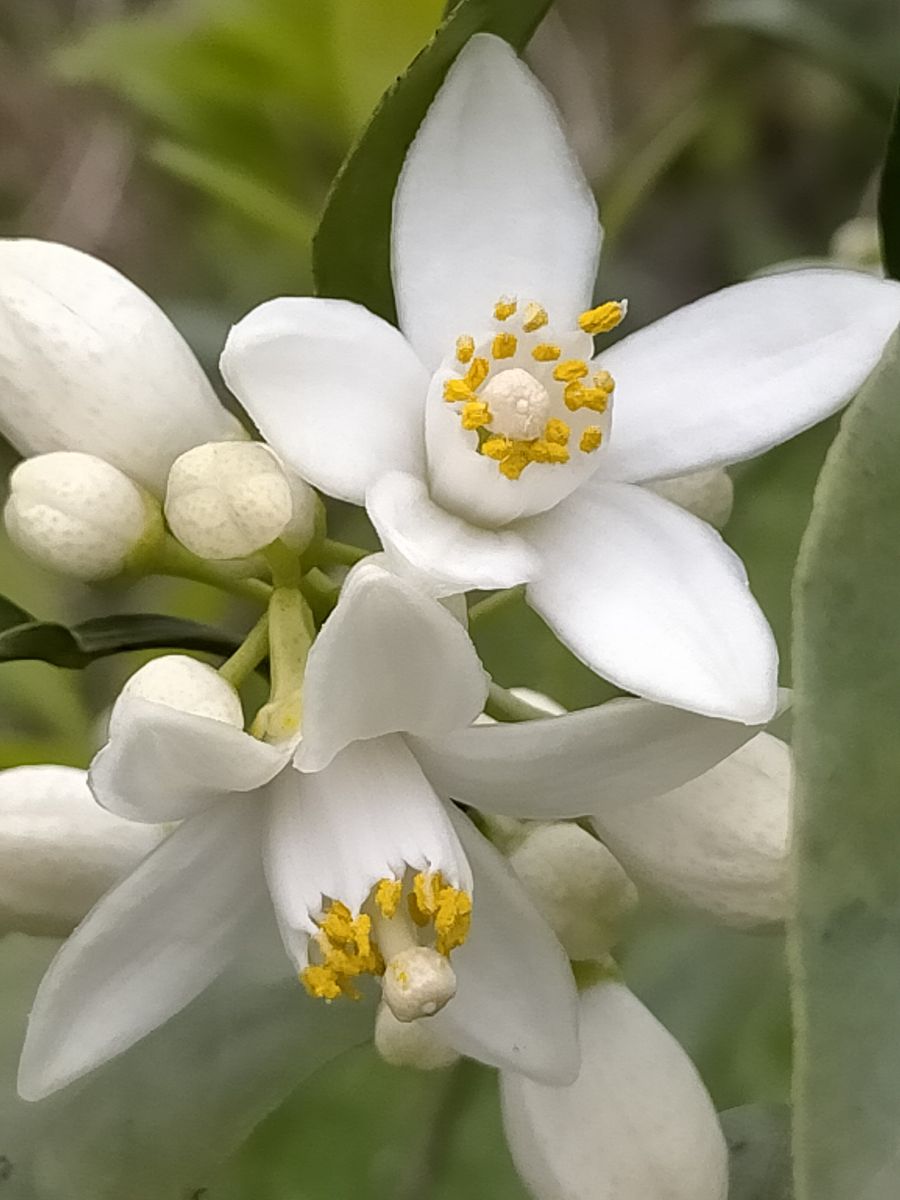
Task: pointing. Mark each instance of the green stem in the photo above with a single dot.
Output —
(321, 593)
(248, 655)
(285, 565)
(494, 602)
(291, 633)
(502, 705)
(175, 560)
(330, 552)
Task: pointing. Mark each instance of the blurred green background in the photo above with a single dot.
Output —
(192, 144)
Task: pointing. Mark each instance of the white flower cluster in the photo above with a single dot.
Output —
(445, 869)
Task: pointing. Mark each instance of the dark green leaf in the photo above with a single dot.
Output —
(889, 199)
(351, 250)
(846, 932)
(759, 1150)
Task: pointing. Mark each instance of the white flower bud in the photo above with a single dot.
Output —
(305, 513)
(188, 685)
(707, 494)
(59, 850)
(79, 516)
(228, 499)
(418, 983)
(410, 1043)
(576, 884)
(89, 362)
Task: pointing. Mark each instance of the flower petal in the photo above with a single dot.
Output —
(149, 947)
(515, 1004)
(338, 392)
(740, 371)
(162, 764)
(388, 659)
(491, 201)
(718, 844)
(637, 1124)
(88, 362)
(621, 752)
(368, 816)
(652, 598)
(59, 850)
(445, 552)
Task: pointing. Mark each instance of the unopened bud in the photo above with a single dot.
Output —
(410, 1043)
(418, 983)
(707, 494)
(307, 514)
(188, 685)
(576, 884)
(228, 499)
(80, 516)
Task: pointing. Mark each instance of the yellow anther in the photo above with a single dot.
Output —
(604, 381)
(478, 371)
(590, 439)
(603, 318)
(505, 308)
(456, 390)
(570, 369)
(542, 451)
(535, 317)
(387, 896)
(320, 981)
(347, 950)
(452, 919)
(475, 415)
(546, 352)
(465, 348)
(504, 345)
(557, 431)
(577, 396)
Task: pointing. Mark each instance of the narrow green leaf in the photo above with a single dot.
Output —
(845, 937)
(889, 199)
(351, 249)
(759, 1151)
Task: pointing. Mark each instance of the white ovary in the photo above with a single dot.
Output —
(520, 404)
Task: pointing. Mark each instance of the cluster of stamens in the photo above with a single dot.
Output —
(512, 390)
(404, 934)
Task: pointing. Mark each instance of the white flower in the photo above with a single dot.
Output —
(479, 437)
(88, 362)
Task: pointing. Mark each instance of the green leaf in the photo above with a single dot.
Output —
(889, 199)
(351, 250)
(22, 636)
(759, 1151)
(846, 931)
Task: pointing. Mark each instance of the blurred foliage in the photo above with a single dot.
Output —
(193, 144)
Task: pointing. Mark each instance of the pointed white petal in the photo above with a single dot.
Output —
(368, 816)
(515, 1003)
(637, 1124)
(446, 552)
(388, 659)
(580, 763)
(149, 947)
(651, 598)
(161, 764)
(490, 201)
(88, 362)
(736, 373)
(718, 844)
(338, 392)
(59, 850)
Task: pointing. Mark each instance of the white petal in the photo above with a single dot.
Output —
(515, 1003)
(59, 850)
(636, 1125)
(569, 766)
(149, 947)
(89, 362)
(161, 764)
(651, 598)
(446, 553)
(718, 844)
(388, 659)
(368, 816)
(338, 392)
(707, 494)
(740, 371)
(491, 201)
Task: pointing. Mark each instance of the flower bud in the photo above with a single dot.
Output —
(89, 362)
(576, 884)
(707, 494)
(410, 1043)
(79, 516)
(307, 513)
(228, 499)
(59, 850)
(188, 685)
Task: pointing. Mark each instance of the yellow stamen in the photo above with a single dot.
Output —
(387, 896)
(535, 317)
(603, 318)
(457, 390)
(475, 415)
(570, 369)
(452, 920)
(542, 451)
(590, 439)
(557, 431)
(505, 308)
(478, 371)
(605, 381)
(546, 352)
(347, 950)
(504, 345)
(578, 396)
(465, 348)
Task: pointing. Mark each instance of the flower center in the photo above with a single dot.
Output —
(522, 399)
(405, 934)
